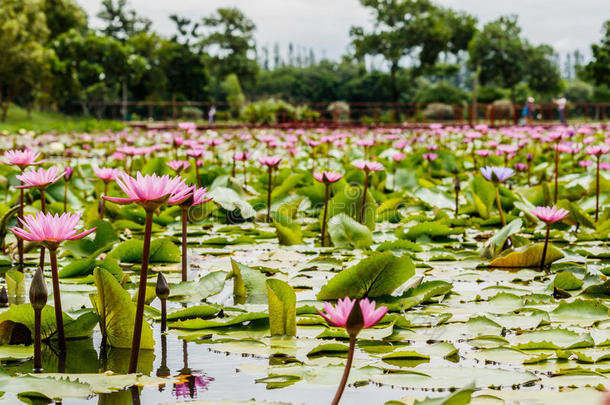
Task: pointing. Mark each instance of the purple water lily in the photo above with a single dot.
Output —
(497, 174)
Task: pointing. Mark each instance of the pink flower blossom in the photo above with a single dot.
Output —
(339, 314)
(549, 214)
(327, 177)
(430, 156)
(241, 156)
(22, 158)
(150, 191)
(368, 166)
(178, 165)
(107, 174)
(50, 228)
(398, 156)
(597, 150)
(40, 178)
(270, 161)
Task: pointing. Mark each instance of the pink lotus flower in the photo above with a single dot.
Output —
(195, 196)
(339, 314)
(178, 165)
(22, 158)
(187, 126)
(398, 156)
(604, 165)
(150, 191)
(107, 174)
(520, 166)
(270, 161)
(50, 228)
(368, 166)
(40, 178)
(327, 177)
(597, 150)
(430, 156)
(549, 215)
(241, 156)
(68, 173)
(483, 152)
(585, 163)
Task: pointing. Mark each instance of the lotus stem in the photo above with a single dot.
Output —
(184, 243)
(556, 172)
(65, 197)
(103, 201)
(137, 331)
(348, 366)
(59, 320)
(546, 244)
(162, 290)
(597, 190)
(19, 240)
(233, 168)
(197, 172)
(457, 195)
(43, 206)
(499, 203)
(529, 170)
(269, 195)
(366, 186)
(37, 340)
(324, 215)
(245, 175)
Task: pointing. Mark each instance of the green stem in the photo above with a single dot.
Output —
(348, 366)
(137, 331)
(597, 191)
(65, 197)
(269, 195)
(184, 245)
(546, 244)
(37, 341)
(20, 240)
(324, 217)
(43, 206)
(556, 172)
(59, 320)
(103, 206)
(366, 186)
(500, 206)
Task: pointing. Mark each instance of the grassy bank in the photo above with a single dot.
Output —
(18, 119)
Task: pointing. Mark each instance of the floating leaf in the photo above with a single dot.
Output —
(161, 251)
(378, 275)
(105, 237)
(346, 232)
(530, 256)
(282, 308)
(117, 313)
(248, 284)
(15, 283)
(288, 231)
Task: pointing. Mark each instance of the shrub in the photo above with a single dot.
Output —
(438, 111)
(340, 111)
(191, 113)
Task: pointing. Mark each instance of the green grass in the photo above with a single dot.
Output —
(18, 120)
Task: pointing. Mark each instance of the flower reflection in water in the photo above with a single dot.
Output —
(190, 385)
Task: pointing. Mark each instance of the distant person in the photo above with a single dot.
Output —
(561, 108)
(527, 114)
(212, 114)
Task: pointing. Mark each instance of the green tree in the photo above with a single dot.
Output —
(598, 70)
(231, 35)
(542, 73)
(416, 28)
(235, 95)
(24, 60)
(500, 53)
(62, 16)
(121, 22)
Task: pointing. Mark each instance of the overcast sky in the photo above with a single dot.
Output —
(324, 24)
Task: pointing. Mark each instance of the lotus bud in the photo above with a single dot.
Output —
(162, 288)
(38, 290)
(3, 298)
(355, 320)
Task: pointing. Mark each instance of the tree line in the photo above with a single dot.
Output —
(416, 51)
